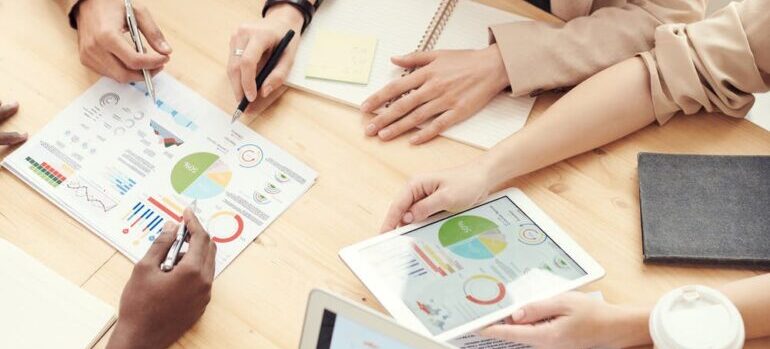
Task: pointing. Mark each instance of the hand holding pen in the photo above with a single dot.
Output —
(157, 307)
(182, 234)
(273, 61)
(101, 26)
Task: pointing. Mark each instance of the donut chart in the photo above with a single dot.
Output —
(249, 155)
(531, 236)
(484, 290)
(225, 226)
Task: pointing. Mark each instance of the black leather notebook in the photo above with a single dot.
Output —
(700, 209)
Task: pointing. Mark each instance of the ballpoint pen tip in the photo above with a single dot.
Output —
(237, 114)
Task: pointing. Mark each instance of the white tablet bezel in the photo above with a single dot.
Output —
(351, 257)
(321, 300)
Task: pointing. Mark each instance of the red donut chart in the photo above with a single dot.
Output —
(490, 281)
(226, 215)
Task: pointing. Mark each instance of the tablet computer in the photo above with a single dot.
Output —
(457, 273)
(332, 322)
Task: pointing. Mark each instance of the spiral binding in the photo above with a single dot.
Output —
(437, 25)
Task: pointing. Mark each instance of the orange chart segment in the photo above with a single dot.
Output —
(225, 226)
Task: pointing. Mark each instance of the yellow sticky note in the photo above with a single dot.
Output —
(341, 57)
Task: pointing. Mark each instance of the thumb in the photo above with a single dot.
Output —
(435, 202)
(414, 59)
(538, 311)
(150, 29)
(12, 138)
(157, 252)
(276, 78)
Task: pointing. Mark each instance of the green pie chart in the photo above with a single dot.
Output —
(472, 237)
(200, 176)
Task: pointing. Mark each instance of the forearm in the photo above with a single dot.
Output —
(752, 298)
(630, 326)
(604, 108)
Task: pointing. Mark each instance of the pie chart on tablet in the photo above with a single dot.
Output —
(472, 237)
(200, 176)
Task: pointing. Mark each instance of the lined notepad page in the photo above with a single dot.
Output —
(399, 25)
(760, 112)
(40, 309)
(504, 115)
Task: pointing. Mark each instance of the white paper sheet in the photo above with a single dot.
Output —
(124, 166)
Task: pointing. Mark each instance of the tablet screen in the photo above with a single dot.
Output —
(471, 264)
(339, 332)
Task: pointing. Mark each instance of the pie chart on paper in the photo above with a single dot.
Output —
(200, 176)
(472, 237)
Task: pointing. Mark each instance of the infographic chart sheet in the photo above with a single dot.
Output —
(472, 264)
(124, 166)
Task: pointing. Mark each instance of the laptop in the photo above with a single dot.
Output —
(332, 322)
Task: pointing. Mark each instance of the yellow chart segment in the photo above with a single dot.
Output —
(493, 243)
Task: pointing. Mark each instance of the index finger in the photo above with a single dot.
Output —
(199, 240)
(127, 54)
(252, 55)
(398, 208)
(393, 89)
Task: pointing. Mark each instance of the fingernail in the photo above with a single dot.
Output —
(251, 97)
(24, 135)
(13, 104)
(408, 218)
(165, 46)
(366, 106)
(518, 315)
(384, 134)
(267, 90)
(414, 139)
(370, 129)
(379, 110)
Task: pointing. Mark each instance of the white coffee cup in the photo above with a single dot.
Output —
(696, 317)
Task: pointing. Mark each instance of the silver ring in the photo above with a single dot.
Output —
(238, 52)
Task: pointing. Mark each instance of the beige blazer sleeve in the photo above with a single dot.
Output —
(541, 56)
(68, 6)
(714, 65)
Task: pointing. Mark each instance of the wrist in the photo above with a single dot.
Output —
(498, 71)
(286, 13)
(126, 337)
(487, 167)
(629, 327)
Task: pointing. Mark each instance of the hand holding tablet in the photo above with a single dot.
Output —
(457, 273)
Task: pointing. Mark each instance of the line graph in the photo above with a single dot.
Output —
(90, 194)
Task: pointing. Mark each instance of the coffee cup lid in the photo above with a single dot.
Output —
(696, 317)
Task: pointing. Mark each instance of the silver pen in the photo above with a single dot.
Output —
(173, 253)
(133, 29)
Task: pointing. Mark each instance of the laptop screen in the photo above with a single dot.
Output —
(338, 332)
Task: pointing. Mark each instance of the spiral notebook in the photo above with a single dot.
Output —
(403, 26)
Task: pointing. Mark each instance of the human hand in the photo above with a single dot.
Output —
(574, 320)
(449, 190)
(10, 138)
(104, 47)
(257, 40)
(451, 85)
(158, 307)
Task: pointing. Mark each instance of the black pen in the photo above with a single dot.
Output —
(272, 61)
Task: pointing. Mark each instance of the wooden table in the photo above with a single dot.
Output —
(259, 300)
